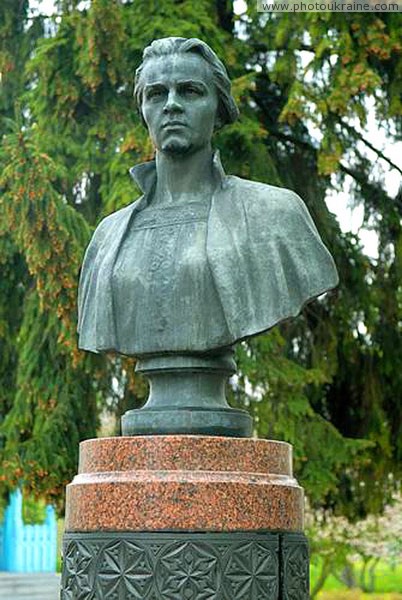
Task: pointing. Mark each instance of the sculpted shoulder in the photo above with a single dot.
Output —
(109, 224)
(280, 206)
(255, 191)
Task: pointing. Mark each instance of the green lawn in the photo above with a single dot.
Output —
(387, 580)
(357, 595)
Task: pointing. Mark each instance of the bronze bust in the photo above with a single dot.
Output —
(201, 260)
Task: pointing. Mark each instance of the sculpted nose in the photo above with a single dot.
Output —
(172, 103)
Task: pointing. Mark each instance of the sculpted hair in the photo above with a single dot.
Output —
(227, 109)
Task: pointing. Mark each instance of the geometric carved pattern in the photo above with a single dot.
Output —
(185, 566)
(295, 563)
(124, 570)
(252, 572)
(188, 570)
(77, 571)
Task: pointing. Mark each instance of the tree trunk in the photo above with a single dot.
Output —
(319, 584)
(348, 577)
(362, 577)
(371, 575)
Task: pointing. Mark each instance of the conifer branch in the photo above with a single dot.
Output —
(352, 131)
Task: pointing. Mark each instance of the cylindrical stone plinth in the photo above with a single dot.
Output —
(184, 518)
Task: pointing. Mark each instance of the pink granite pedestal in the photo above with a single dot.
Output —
(185, 517)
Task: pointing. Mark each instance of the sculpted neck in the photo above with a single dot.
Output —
(181, 178)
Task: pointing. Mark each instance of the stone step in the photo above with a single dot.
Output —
(29, 586)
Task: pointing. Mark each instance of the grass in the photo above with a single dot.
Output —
(357, 595)
(388, 585)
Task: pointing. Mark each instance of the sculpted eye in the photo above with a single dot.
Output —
(154, 93)
(191, 90)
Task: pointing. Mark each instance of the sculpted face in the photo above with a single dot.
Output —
(179, 103)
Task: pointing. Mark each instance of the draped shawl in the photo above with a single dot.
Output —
(263, 250)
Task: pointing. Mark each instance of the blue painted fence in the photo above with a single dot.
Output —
(27, 548)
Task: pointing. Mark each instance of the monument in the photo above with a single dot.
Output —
(186, 504)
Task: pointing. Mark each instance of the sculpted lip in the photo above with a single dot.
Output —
(173, 124)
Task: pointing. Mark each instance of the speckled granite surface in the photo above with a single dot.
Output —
(184, 483)
(185, 452)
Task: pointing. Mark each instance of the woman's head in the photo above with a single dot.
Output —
(227, 111)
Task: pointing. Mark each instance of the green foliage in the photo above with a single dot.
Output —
(70, 133)
(364, 555)
(33, 511)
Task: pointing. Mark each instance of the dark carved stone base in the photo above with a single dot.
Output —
(185, 566)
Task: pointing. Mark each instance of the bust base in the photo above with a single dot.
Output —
(187, 396)
(228, 422)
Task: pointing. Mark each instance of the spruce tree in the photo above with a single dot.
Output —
(71, 132)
